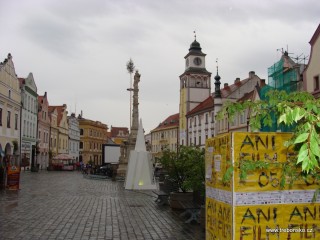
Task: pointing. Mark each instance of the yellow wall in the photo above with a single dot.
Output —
(257, 204)
(94, 133)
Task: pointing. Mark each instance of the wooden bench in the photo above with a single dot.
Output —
(165, 188)
(191, 210)
(162, 197)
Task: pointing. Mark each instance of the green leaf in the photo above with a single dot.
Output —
(302, 155)
(314, 146)
(301, 138)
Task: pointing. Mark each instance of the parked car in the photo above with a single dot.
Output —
(106, 170)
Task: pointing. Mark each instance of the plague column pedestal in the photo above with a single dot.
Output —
(139, 172)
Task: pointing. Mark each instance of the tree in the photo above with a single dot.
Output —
(130, 69)
(185, 168)
(298, 110)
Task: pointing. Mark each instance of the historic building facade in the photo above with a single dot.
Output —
(29, 121)
(74, 137)
(62, 123)
(202, 120)
(10, 115)
(312, 72)
(195, 86)
(54, 132)
(119, 134)
(92, 135)
(165, 136)
(43, 131)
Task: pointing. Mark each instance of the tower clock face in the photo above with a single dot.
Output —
(197, 61)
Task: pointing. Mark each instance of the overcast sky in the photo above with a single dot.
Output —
(77, 50)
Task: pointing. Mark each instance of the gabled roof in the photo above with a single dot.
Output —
(115, 131)
(246, 96)
(171, 121)
(227, 90)
(315, 36)
(40, 99)
(60, 110)
(205, 105)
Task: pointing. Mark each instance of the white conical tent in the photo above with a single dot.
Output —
(139, 172)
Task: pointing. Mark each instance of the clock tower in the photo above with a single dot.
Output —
(195, 86)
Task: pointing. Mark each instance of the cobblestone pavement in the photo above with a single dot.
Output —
(64, 205)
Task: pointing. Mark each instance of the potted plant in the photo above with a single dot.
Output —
(185, 170)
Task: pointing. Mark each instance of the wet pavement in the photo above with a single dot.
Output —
(65, 205)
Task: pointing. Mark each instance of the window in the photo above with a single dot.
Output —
(242, 117)
(199, 140)
(9, 93)
(0, 116)
(206, 118)
(316, 83)
(81, 132)
(195, 121)
(8, 119)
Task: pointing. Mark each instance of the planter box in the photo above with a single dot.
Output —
(177, 197)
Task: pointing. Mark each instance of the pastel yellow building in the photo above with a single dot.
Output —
(92, 135)
(165, 136)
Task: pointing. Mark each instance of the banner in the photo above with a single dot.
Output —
(13, 178)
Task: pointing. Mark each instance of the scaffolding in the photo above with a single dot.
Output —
(285, 74)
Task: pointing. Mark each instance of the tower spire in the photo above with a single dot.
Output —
(217, 83)
(195, 35)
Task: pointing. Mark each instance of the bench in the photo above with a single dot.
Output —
(162, 197)
(165, 188)
(191, 210)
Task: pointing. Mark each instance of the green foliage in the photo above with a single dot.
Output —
(130, 66)
(186, 168)
(300, 110)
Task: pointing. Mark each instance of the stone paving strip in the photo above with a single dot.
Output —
(65, 205)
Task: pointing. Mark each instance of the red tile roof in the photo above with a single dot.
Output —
(115, 131)
(171, 121)
(206, 104)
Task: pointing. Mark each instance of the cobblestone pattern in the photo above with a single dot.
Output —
(64, 205)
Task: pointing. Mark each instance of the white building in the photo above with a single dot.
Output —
(201, 120)
(74, 137)
(29, 120)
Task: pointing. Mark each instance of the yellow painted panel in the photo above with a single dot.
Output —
(268, 147)
(218, 160)
(218, 220)
(277, 221)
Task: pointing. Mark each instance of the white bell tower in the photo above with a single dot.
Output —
(195, 86)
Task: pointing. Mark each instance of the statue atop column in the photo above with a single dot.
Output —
(135, 106)
(130, 144)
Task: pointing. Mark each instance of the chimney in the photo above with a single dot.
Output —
(262, 82)
(225, 85)
(252, 74)
(237, 80)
